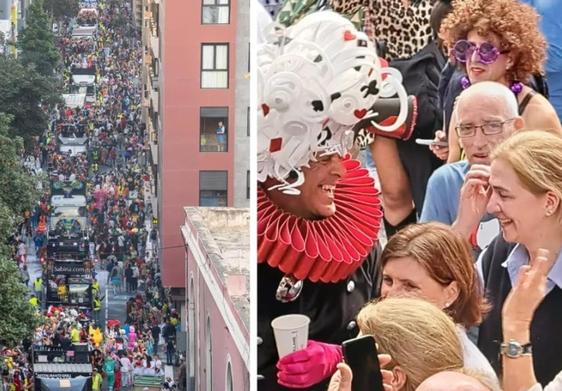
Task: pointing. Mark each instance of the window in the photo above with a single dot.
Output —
(229, 383)
(213, 190)
(209, 357)
(215, 12)
(214, 65)
(248, 184)
(213, 129)
(248, 122)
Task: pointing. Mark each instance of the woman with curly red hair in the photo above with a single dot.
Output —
(499, 41)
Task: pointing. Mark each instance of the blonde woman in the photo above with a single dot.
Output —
(421, 340)
(524, 191)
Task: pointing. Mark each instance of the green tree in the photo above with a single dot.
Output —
(59, 9)
(18, 319)
(23, 92)
(37, 42)
(19, 189)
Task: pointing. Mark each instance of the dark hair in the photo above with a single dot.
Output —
(440, 10)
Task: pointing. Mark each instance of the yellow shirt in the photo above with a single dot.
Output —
(97, 380)
(61, 290)
(75, 336)
(97, 337)
(34, 301)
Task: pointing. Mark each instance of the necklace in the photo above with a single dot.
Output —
(516, 86)
(326, 250)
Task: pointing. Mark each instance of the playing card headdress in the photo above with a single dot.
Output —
(316, 80)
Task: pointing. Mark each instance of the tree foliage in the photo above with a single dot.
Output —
(37, 42)
(18, 187)
(22, 93)
(17, 320)
(60, 9)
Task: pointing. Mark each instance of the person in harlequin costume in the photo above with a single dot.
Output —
(318, 210)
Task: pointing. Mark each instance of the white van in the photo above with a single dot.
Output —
(84, 31)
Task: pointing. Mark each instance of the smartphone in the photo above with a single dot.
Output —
(361, 355)
(428, 142)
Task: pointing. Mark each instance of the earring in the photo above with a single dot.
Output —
(549, 212)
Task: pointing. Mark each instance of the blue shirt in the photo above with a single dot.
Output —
(519, 257)
(443, 192)
(551, 26)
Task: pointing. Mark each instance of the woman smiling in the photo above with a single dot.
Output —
(524, 192)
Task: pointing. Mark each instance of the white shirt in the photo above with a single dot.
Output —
(554, 385)
(473, 357)
(125, 364)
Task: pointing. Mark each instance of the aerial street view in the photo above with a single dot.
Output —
(124, 174)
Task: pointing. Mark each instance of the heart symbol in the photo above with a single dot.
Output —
(348, 36)
(265, 109)
(360, 113)
(275, 144)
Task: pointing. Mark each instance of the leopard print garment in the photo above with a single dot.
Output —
(405, 30)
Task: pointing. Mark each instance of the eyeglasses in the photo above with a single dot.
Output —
(488, 128)
(487, 52)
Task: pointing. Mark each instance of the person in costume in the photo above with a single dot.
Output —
(318, 210)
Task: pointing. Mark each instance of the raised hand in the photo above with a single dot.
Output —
(441, 152)
(474, 196)
(341, 380)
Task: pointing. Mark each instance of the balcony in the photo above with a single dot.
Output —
(155, 46)
(154, 81)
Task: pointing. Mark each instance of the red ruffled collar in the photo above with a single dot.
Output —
(327, 250)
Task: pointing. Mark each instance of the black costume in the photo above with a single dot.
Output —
(546, 327)
(331, 307)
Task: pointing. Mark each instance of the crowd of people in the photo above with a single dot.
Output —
(121, 237)
(463, 290)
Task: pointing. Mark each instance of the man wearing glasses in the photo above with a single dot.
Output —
(487, 114)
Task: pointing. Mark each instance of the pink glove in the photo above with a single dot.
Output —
(309, 366)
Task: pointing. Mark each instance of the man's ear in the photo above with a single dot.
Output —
(518, 123)
(399, 378)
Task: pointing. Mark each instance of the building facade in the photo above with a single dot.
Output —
(217, 242)
(12, 22)
(196, 103)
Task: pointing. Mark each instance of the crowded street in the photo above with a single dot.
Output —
(88, 251)
(341, 195)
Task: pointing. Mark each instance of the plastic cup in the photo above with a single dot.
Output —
(291, 333)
